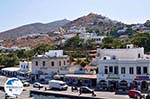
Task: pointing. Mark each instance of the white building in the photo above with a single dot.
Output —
(146, 31)
(25, 66)
(75, 29)
(68, 36)
(44, 67)
(138, 27)
(10, 71)
(97, 39)
(124, 68)
(22, 72)
(25, 70)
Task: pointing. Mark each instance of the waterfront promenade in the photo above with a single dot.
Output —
(68, 93)
(26, 93)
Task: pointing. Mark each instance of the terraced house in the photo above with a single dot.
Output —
(49, 64)
(123, 68)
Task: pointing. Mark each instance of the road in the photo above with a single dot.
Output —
(25, 93)
(106, 95)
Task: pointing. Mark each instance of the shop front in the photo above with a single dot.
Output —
(80, 80)
(143, 82)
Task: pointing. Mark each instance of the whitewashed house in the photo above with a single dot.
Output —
(123, 68)
(77, 29)
(138, 27)
(22, 72)
(25, 70)
(97, 39)
(44, 67)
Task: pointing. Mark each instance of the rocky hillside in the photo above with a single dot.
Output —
(95, 22)
(90, 22)
(32, 29)
(32, 42)
(147, 23)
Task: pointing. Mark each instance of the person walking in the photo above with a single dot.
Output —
(80, 91)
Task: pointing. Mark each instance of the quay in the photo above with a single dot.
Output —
(62, 95)
(75, 95)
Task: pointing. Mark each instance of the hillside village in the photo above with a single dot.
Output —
(92, 51)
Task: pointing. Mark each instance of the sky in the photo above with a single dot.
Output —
(14, 13)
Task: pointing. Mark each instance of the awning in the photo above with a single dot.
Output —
(86, 76)
(141, 77)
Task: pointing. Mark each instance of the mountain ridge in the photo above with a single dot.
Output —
(91, 21)
(32, 29)
(94, 21)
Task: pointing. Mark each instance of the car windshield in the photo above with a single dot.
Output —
(37, 83)
(87, 88)
(63, 84)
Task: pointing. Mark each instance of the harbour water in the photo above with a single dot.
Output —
(47, 97)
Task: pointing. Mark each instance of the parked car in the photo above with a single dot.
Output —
(56, 84)
(37, 85)
(84, 89)
(26, 84)
(147, 96)
(136, 94)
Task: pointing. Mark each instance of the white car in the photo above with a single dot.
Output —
(37, 85)
(26, 84)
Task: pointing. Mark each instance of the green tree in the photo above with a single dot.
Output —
(89, 44)
(40, 49)
(108, 39)
(83, 63)
(9, 60)
(111, 42)
(142, 40)
(74, 43)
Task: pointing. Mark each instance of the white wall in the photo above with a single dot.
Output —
(25, 66)
(131, 53)
(54, 53)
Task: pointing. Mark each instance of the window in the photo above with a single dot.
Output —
(43, 63)
(110, 69)
(59, 63)
(116, 70)
(104, 58)
(68, 61)
(123, 70)
(27, 67)
(106, 69)
(36, 63)
(138, 70)
(139, 55)
(145, 70)
(113, 57)
(98, 54)
(64, 62)
(131, 70)
(52, 63)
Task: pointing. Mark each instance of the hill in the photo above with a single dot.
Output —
(32, 29)
(94, 22)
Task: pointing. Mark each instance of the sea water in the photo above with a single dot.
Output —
(47, 97)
